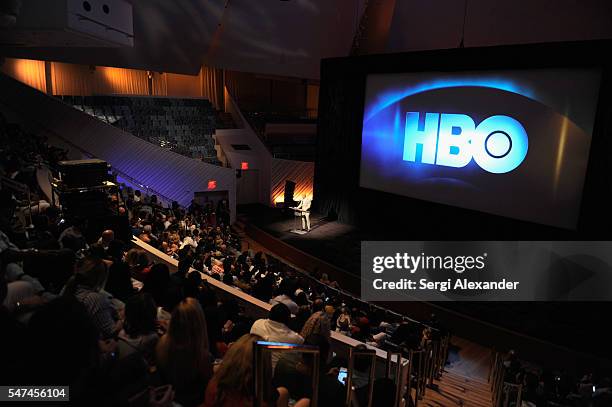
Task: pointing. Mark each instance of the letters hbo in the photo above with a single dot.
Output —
(498, 144)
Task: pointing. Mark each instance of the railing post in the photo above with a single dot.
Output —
(409, 378)
(353, 353)
(262, 352)
(399, 368)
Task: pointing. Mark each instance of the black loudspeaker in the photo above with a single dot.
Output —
(289, 191)
(84, 203)
(83, 173)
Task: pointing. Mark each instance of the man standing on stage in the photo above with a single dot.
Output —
(304, 212)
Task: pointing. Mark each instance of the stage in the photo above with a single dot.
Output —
(336, 243)
(329, 246)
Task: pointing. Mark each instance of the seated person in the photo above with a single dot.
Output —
(86, 286)
(296, 376)
(139, 334)
(275, 328)
(232, 384)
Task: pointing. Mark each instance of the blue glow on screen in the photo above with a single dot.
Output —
(387, 98)
(384, 132)
(499, 151)
(268, 343)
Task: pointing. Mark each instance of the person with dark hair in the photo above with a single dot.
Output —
(139, 263)
(343, 322)
(119, 282)
(235, 323)
(283, 295)
(300, 319)
(228, 278)
(86, 285)
(318, 305)
(156, 282)
(183, 355)
(280, 314)
(264, 286)
(64, 349)
(42, 238)
(139, 332)
(259, 261)
(301, 299)
(275, 328)
(72, 237)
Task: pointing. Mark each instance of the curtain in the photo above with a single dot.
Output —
(160, 84)
(212, 86)
(120, 81)
(28, 71)
(312, 101)
(85, 80)
(183, 85)
(72, 79)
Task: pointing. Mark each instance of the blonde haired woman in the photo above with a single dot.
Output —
(182, 353)
(232, 384)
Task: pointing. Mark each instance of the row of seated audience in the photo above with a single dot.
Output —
(123, 330)
(548, 387)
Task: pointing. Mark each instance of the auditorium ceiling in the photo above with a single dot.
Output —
(265, 36)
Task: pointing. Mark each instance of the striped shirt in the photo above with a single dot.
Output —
(99, 309)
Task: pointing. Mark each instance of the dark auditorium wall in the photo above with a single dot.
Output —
(419, 25)
(336, 186)
(255, 92)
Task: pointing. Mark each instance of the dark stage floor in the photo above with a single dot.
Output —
(334, 242)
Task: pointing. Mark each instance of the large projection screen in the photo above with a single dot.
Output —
(512, 143)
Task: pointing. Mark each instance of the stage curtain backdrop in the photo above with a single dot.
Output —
(336, 179)
(71, 79)
(84, 80)
(312, 100)
(120, 81)
(27, 71)
(212, 85)
(160, 85)
(183, 85)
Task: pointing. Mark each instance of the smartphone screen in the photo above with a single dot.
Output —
(342, 374)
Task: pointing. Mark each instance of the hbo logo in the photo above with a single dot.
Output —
(498, 144)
